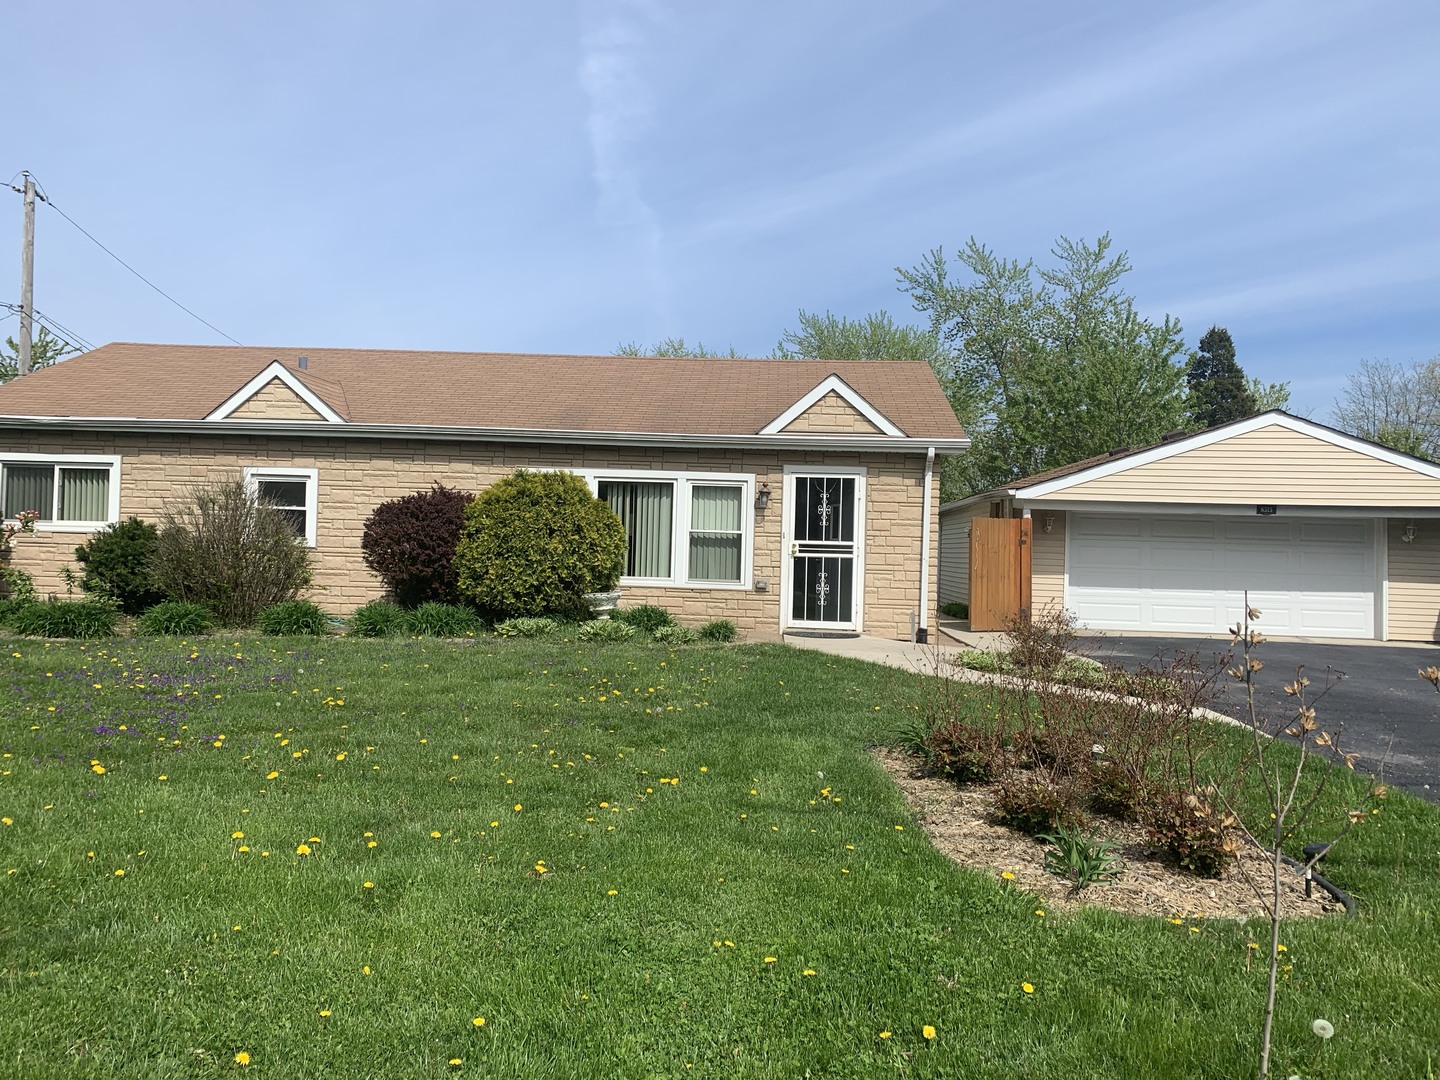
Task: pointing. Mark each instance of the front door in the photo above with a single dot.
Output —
(825, 523)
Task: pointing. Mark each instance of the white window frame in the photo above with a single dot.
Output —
(680, 522)
(255, 473)
(64, 461)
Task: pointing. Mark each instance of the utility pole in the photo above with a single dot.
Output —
(27, 275)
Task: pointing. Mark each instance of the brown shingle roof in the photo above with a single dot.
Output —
(486, 390)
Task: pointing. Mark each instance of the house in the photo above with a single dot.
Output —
(780, 494)
(1333, 537)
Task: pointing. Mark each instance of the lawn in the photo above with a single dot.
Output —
(631, 861)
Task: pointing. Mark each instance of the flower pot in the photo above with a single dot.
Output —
(602, 603)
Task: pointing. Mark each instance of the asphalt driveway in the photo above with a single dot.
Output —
(1390, 714)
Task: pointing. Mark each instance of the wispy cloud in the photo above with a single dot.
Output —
(1187, 50)
(621, 114)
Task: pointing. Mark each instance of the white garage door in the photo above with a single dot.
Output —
(1309, 578)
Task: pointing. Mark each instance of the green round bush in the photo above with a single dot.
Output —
(535, 542)
(293, 618)
(721, 630)
(646, 617)
(117, 564)
(379, 618)
(174, 618)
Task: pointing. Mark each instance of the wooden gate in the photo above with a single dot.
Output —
(999, 572)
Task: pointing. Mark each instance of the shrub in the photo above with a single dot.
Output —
(534, 543)
(434, 619)
(961, 752)
(66, 619)
(1035, 806)
(674, 634)
(956, 611)
(528, 626)
(379, 618)
(222, 549)
(117, 563)
(1039, 644)
(174, 618)
(721, 630)
(646, 617)
(1079, 859)
(410, 543)
(1189, 829)
(606, 630)
(18, 585)
(10, 607)
(291, 618)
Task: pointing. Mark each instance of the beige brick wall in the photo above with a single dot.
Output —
(276, 401)
(832, 413)
(354, 475)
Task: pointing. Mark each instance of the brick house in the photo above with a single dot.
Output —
(781, 494)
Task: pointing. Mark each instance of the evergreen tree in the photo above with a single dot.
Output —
(1219, 391)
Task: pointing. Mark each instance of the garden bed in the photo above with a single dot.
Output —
(959, 822)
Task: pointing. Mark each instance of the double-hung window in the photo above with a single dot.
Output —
(682, 529)
(69, 492)
(291, 492)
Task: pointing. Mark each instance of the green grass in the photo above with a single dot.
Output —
(147, 975)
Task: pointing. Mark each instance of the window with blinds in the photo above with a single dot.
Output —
(58, 492)
(682, 529)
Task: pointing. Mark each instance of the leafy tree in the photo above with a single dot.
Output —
(1396, 405)
(675, 347)
(1218, 391)
(1267, 396)
(45, 350)
(870, 337)
(1047, 366)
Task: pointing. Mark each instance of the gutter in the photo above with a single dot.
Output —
(922, 634)
(313, 429)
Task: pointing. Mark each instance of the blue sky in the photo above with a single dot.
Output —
(564, 177)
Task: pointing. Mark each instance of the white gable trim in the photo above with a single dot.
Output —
(833, 384)
(1220, 434)
(275, 370)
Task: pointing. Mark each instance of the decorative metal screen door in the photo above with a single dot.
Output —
(824, 551)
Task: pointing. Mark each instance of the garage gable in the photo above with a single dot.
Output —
(1270, 458)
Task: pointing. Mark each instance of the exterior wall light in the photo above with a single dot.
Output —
(762, 495)
(1409, 534)
(1049, 525)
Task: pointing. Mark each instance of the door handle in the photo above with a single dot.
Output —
(794, 547)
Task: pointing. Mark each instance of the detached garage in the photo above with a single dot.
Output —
(1332, 536)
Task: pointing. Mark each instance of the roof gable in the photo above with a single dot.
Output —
(1270, 458)
(833, 402)
(276, 393)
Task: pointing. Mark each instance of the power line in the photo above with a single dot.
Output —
(64, 333)
(45, 199)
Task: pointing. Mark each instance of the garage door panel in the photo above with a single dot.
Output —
(1308, 578)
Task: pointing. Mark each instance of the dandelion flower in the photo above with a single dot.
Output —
(271, 775)
(808, 971)
(365, 970)
(479, 1021)
(98, 769)
(769, 959)
(7, 821)
(455, 1063)
(119, 873)
(885, 1034)
(928, 1031)
(302, 849)
(613, 892)
(1040, 911)
(1007, 875)
(1323, 1028)
(243, 849)
(369, 884)
(519, 807)
(1027, 988)
(242, 1058)
(325, 1013)
(434, 835)
(237, 835)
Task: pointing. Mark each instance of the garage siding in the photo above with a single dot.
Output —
(1290, 468)
(955, 552)
(1047, 563)
(1414, 592)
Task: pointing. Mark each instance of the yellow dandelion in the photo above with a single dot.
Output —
(434, 835)
(769, 959)
(119, 873)
(242, 1058)
(244, 849)
(1040, 911)
(340, 756)
(370, 843)
(808, 971)
(885, 1034)
(302, 849)
(613, 892)
(1027, 988)
(98, 769)
(162, 776)
(479, 1021)
(455, 1063)
(1007, 875)
(6, 821)
(365, 970)
(519, 807)
(369, 884)
(271, 775)
(928, 1031)
(325, 1013)
(237, 835)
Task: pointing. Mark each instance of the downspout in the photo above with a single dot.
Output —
(922, 634)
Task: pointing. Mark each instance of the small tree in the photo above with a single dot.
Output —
(222, 549)
(535, 542)
(117, 564)
(410, 543)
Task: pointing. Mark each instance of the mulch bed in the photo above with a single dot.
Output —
(959, 823)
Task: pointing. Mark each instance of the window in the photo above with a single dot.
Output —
(76, 492)
(291, 492)
(682, 529)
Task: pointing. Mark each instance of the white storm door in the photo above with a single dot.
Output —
(824, 526)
